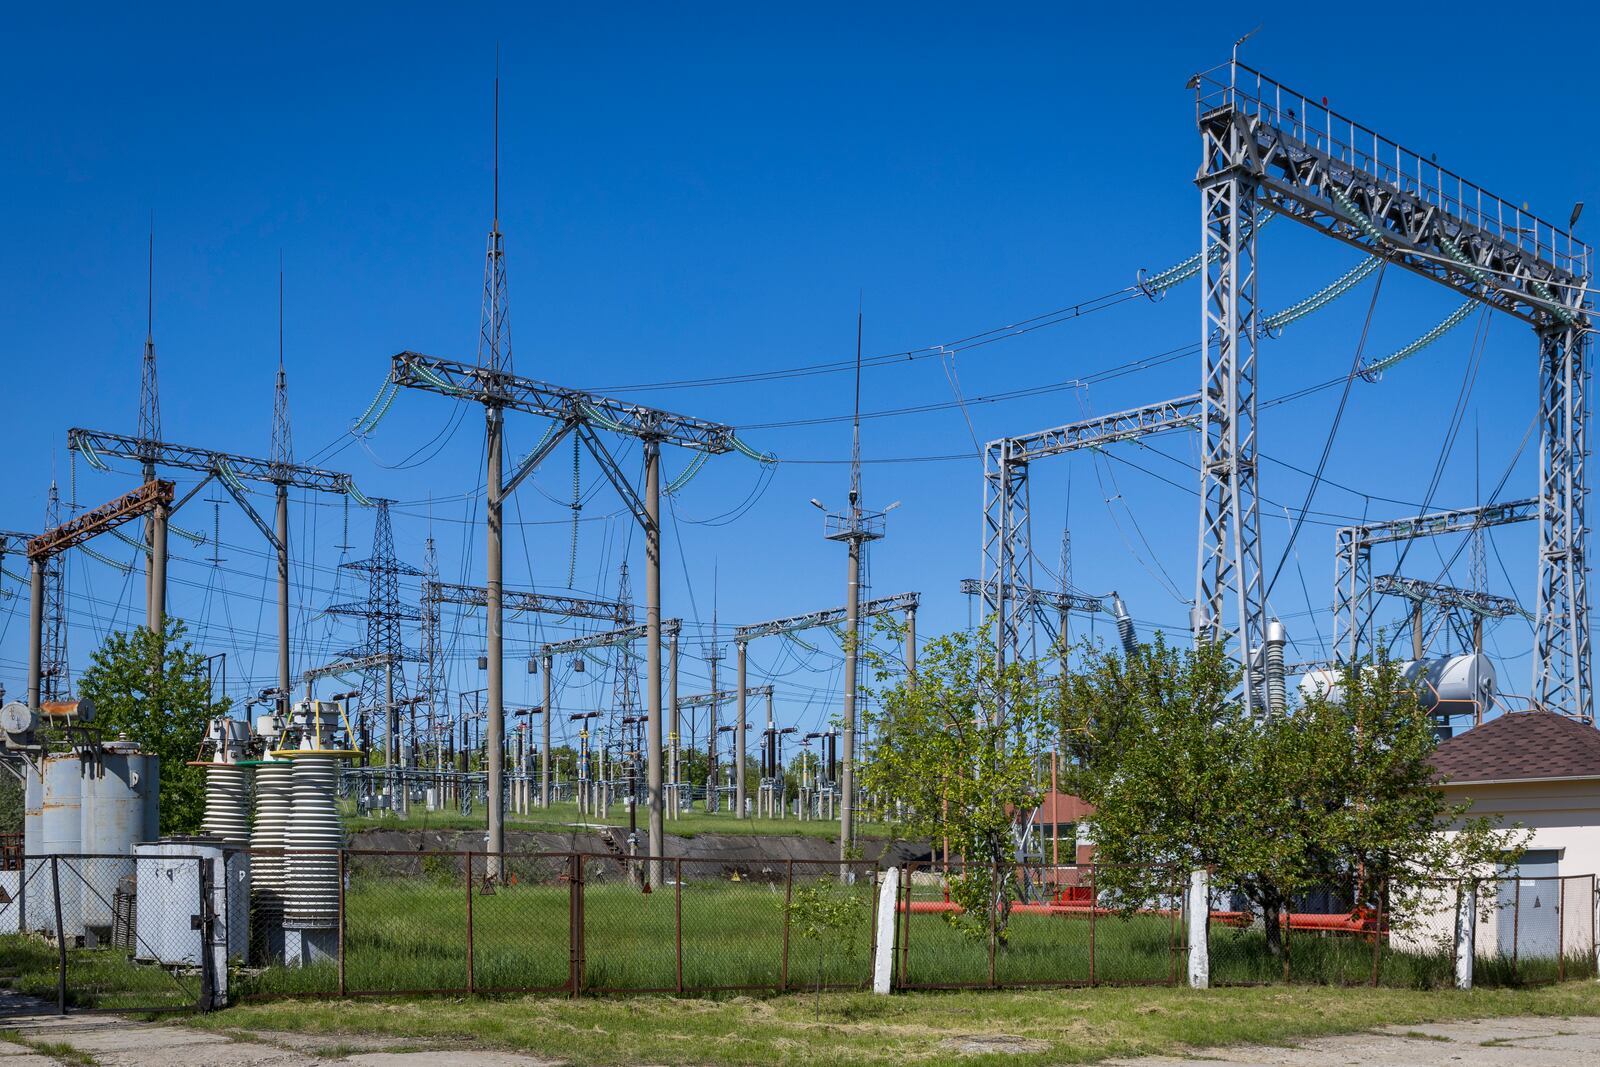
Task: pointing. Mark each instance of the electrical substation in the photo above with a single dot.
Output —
(457, 691)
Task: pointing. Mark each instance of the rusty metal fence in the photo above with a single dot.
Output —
(576, 923)
(1038, 926)
(111, 932)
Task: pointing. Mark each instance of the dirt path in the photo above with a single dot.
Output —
(39, 1038)
(1523, 1042)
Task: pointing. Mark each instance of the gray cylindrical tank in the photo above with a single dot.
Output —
(62, 816)
(120, 808)
(40, 911)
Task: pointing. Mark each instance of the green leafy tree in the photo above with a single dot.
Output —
(831, 914)
(1336, 793)
(953, 755)
(153, 689)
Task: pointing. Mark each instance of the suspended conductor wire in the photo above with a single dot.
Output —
(1333, 432)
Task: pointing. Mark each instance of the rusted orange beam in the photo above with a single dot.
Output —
(98, 520)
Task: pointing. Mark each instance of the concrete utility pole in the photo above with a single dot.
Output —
(855, 526)
(493, 384)
(495, 763)
(738, 736)
(657, 833)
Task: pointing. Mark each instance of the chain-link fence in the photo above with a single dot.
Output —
(112, 932)
(1523, 931)
(473, 922)
(166, 929)
(972, 925)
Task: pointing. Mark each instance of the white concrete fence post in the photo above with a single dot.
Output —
(1466, 932)
(1199, 914)
(883, 958)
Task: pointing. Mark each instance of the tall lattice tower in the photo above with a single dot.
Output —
(149, 395)
(282, 452)
(55, 677)
(494, 333)
(625, 677)
(382, 610)
(435, 684)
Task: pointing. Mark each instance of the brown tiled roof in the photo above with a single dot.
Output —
(1519, 746)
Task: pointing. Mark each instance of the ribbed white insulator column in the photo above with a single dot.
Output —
(274, 806)
(228, 804)
(311, 881)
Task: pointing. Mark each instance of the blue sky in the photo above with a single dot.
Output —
(709, 191)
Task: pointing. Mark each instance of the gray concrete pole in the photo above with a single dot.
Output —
(847, 758)
(35, 630)
(544, 751)
(495, 743)
(391, 744)
(157, 608)
(672, 722)
(282, 522)
(738, 736)
(911, 643)
(652, 587)
(711, 741)
(149, 471)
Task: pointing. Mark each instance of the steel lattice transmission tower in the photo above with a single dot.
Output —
(435, 684)
(55, 676)
(383, 611)
(1270, 149)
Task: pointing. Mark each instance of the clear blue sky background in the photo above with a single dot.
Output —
(708, 191)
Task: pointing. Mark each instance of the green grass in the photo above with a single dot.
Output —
(410, 934)
(561, 818)
(96, 978)
(1056, 1026)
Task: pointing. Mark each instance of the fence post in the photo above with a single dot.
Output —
(61, 940)
(343, 871)
(1466, 931)
(788, 902)
(471, 978)
(677, 910)
(1199, 915)
(883, 935)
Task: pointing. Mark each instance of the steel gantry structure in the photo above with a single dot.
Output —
(1479, 605)
(850, 616)
(1353, 584)
(231, 471)
(150, 496)
(435, 593)
(1007, 538)
(1266, 148)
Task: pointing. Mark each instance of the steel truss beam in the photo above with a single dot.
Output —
(1267, 143)
(1353, 583)
(723, 696)
(75, 531)
(348, 666)
(95, 444)
(1448, 597)
(520, 602)
(502, 389)
(620, 636)
(1007, 537)
(828, 617)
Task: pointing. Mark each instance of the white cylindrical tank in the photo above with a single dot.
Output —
(311, 875)
(62, 816)
(274, 781)
(39, 910)
(1453, 685)
(120, 808)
